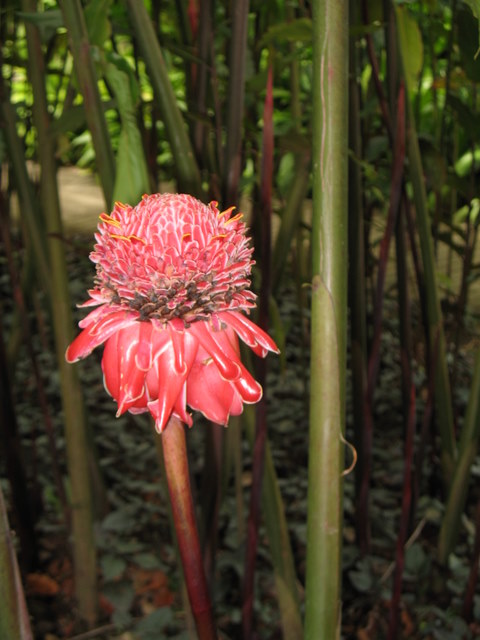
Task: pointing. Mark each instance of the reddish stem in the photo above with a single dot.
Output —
(178, 479)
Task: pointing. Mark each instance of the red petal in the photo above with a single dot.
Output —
(249, 389)
(229, 368)
(97, 333)
(211, 394)
(123, 379)
(165, 383)
(259, 341)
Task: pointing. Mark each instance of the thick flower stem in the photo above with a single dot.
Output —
(178, 479)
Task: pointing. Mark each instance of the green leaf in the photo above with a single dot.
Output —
(475, 7)
(468, 37)
(47, 22)
(131, 180)
(112, 567)
(411, 46)
(153, 626)
(98, 24)
(120, 595)
(470, 119)
(146, 561)
(295, 31)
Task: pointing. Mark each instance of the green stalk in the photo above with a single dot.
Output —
(291, 216)
(443, 398)
(329, 319)
(273, 514)
(84, 553)
(26, 196)
(437, 345)
(357, 303)
(236, 93)
(178, 480)
(87, 79)
(14, 620)
(467, 451)
(187, 168)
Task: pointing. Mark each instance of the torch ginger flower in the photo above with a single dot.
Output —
(172, 278)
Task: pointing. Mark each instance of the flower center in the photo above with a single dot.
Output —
(173, 257)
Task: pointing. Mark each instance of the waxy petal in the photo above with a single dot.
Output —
(165, 384)
(229, 368)
(97, 333)
(222, 399)
(259, 341)
(245, 383)
(123, 379)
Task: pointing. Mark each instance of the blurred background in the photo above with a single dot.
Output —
(104, 101)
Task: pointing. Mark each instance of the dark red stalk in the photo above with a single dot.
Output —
(394, 206)
(211, 496)
(404, 312)
(202, 79)
(470, 591)
(10, 449)
(40, 387)
(237, 63)
(261, 415)
(374, 358)
(425, 427)
(404, 520)
(376, 76)
(178, 480)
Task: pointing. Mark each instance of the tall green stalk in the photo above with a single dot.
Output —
(467, 452)
(273, 512)
(87, 80)
(84, 554)
(443, 398)
(26, 195)
(182, 151)
(14, 620)
(329, 318)
(357, 301)
(236, 92)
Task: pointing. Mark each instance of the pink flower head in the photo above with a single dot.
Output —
(172, 278)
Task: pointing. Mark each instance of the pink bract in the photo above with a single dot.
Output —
(172, 279)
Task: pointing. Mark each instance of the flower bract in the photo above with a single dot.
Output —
(171, 288)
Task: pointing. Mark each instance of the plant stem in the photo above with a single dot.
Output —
(178, 480)
(356, 290)
(84, 552)
(436, 337)
(87, 79)
(186, 166)
(261, 412)
(236, 93)
(467, 451)
(329, 318)
(14, 620)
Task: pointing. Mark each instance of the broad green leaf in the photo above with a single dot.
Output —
(131, 180)
(470, 119)
(153, 626)
(147, 561)
(411, 46)
(112, 567)
(463, 165)
(47, 22)
(98, 23)
(475, 7)
(295, 31)
(14, 620)
(467, 29)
